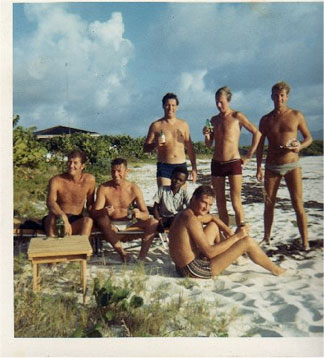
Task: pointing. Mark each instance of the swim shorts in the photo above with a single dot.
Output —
(223, 169)
(71, 217)
(283, 169)
(165, 170)
(197, 268)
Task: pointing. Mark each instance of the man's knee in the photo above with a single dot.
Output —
(87, 223)
(249, 242)
(298, 206)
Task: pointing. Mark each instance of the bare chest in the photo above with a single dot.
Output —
(119, 199)
(228, 127)
(281, 124)
(174, 133)
(72, 192)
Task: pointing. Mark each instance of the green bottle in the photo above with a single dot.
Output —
(130, 213)
(208, 124)
(60, 228)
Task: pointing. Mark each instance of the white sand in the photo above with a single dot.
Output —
(267, 306)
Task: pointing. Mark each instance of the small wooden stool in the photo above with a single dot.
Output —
(43, 250)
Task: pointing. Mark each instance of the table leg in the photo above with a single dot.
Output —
(35, 277)
(83, 267)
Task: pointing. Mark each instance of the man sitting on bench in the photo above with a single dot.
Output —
(67, 195)
(113, 200)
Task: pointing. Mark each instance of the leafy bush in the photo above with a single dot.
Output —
(27, 151)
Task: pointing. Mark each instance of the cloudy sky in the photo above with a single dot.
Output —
(106, 66)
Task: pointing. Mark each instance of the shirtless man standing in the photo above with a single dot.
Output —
(171, 147)
(280, 127)
(113, 199)
(226, 159)
(67, 195)
(200, 252)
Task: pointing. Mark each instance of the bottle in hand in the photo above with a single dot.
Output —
(161, 138)
(60, 228)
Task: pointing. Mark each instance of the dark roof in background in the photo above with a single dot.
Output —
(61, 130)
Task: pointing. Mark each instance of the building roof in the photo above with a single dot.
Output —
(60, 130)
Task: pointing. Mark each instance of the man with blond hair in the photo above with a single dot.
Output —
(280, 127)
(227, 162)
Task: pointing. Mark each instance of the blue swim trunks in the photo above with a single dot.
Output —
(165, 170)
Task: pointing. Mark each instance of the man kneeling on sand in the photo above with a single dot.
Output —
(113, 200)
(200, 251)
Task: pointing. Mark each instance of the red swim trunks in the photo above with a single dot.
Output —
(224, 169)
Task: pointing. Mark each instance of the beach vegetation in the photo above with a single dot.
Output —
(115, 307)
(187, 283)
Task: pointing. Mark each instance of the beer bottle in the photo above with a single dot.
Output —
(161, 138)
(130, 213)
(60, 228)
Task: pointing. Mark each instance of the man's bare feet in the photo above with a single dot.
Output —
(264, 242)
(277, 271)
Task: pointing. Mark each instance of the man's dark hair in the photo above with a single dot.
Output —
(203, 190)
(180, 170)
(77, 153)
(170, 96)
(119, 161)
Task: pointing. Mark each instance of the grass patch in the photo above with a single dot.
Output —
(117, 307)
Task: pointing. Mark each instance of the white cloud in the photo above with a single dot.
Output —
(80, 68)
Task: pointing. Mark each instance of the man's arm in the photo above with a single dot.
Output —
(197, 234)
(259, 152)
(141, 212)
(206, 219)
(53, 206)
(191, 153)
(150, 142)
(99, 208)
(303, 128)
(256, 135)
(209, 134)
(90, 194)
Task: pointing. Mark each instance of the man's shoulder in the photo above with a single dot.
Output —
(157, 123)
(106, 185)
(295, 112)
(58, 178)
(182, 122)
(238, 115)
(267, 116)
(89, 177)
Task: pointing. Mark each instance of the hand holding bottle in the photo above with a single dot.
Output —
(208, 127)
(161, 138)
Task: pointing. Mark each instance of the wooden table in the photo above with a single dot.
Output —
(43, 250)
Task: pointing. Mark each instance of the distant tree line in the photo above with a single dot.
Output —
(30, 152)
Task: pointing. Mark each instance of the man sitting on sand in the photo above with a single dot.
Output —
(202, 252)
(227, 162)
(113, 200)
(67, 195)
(280, 127)
(171, 199)
(170, 136)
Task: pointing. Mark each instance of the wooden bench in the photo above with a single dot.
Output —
(129, 233)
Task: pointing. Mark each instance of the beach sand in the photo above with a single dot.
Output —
(267, 306)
